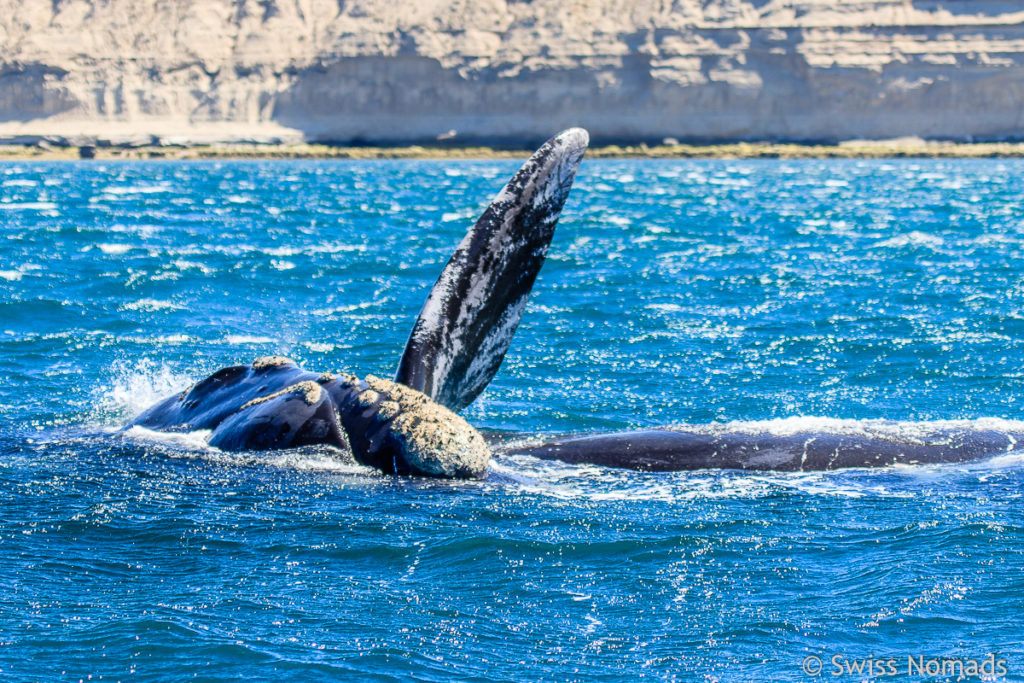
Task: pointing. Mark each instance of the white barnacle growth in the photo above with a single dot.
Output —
(433, 439)
(368, 398)
(388, 410)
(309, 392)
(265, 362)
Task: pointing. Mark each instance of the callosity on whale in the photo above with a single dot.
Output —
(405, 426)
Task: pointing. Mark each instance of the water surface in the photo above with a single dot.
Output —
(776, 295)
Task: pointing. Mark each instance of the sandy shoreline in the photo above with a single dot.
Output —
(857, 149)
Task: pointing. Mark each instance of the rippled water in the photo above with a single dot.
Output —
(774, 295)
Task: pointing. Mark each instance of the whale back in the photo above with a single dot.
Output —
(467, 323)
(677, 449)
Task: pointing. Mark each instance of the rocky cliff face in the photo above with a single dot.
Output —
(511, 70)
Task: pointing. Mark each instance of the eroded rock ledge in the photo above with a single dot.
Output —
(491, 71)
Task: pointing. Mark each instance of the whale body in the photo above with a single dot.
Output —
(410, 425)
(705, 447)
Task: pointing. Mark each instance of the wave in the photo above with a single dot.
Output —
(553, 479)
(114, 249)
(591, 483)
(247, 339)
(150, 305)
(194, 446)
(127, 190)
(28, 206)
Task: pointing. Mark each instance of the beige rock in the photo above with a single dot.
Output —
(205, 71)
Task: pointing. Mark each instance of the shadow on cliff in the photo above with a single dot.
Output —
(410, 99)
(622, 98)
(27, 92)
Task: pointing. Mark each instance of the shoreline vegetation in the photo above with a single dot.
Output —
(853, 149)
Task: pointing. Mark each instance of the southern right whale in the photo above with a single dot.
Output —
(708, 446)
(410, 426)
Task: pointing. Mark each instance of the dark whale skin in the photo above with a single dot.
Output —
(664, 450)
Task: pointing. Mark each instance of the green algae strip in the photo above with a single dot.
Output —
(855, 149)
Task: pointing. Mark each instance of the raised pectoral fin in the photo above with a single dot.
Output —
(471, 314)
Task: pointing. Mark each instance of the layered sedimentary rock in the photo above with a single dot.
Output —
(511, 70)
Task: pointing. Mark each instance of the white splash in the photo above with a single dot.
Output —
(121, 190)
(914, 238)
(239, 339)
(28, 206)
(195, 446)
(114, 249)
(132, 389)
(150, 305)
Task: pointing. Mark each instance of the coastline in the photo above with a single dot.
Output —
(854, 149)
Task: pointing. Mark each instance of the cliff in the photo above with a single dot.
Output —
(510, 70)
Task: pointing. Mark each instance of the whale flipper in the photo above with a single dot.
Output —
(467, 323)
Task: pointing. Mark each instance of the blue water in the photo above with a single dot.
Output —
(775, 295)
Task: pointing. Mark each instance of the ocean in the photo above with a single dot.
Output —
(771, 295)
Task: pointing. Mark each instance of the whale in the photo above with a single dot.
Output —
(698, 447)
(409, 424)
